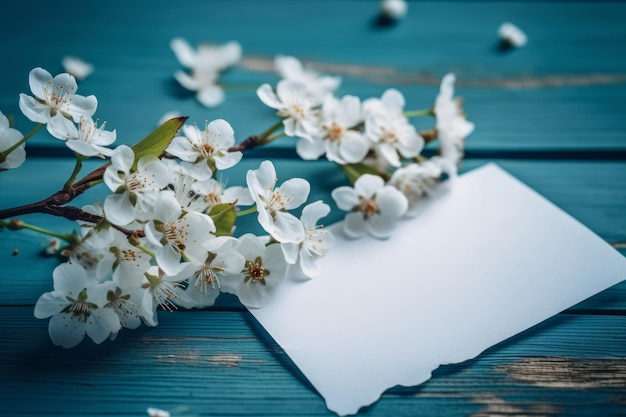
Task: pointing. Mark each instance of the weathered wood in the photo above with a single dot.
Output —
(552, 113)
(223, 363)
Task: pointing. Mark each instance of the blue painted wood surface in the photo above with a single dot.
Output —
(552, 113)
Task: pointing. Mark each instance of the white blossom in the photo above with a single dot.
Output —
(215, 193)
(163, 290)
(205, 150)
(77, 67)
(75, 308)
(390, 130)
(315, 243)
(130, 263)
(272, 203)
(415, 181)
(394, 9)
(157, 412)
(205, 63)
(512, 35)
(373, 207)
(87, 139)
(263, 272)
(294, 104)
(176, 234)
(223, 260)
(8, 138)
(134, 191)
(129, 307)
(55, 97)
(337, 136)
(317, 85)
(452, 125)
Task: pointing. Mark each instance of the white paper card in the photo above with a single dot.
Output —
(481, 262)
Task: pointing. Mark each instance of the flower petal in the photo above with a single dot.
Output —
(354, 225)
(210, 96)
(118, 209)
(267, 95)
(66, 330)
(33, 110)
(101, 323)
(345, 197)
(367, 185)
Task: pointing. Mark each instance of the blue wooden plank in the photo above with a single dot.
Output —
(134, 64)
(212, 363)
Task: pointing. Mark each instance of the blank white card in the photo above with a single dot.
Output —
(484, 260)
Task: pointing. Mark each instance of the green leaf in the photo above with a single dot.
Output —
(156, 142)
(224, 217)
(354, 171)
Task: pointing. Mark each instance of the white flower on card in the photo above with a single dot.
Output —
(8, 138)
(134, 192)
(316, 240)
(55, 97)
(177, 234)
(87, 139)
(390, 130)
(223, 260)
(337, 138)
(512, 35)
(317, 85)
(373, 207)
(272, 203)
(264, 269)
(75, 308)
(415, 181)
(452, 125)
(205, 150)
(77, 67)
(205, 63)
(294, 104)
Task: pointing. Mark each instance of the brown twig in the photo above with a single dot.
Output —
(250, 143)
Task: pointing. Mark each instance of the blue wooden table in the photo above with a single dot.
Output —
(552, 113)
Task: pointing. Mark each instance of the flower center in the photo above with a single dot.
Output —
(176, 234)
(276, 202)
(204, 149)
(389, 137)
(56, 96)
(213, 199)
(368, 208)
(127, 255)
(334, 132)
(255, 271)
(79, 308)
(137, 182)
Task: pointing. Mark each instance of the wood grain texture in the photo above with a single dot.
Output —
(564, 90)
(199, 364)
(551, 113)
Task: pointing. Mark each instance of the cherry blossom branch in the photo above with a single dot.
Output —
(258, 140)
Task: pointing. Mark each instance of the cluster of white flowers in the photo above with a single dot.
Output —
(164, 235)
(368, 136)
